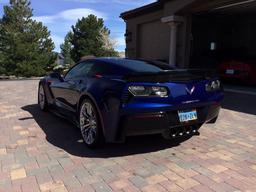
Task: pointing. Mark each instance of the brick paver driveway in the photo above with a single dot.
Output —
(41, 152)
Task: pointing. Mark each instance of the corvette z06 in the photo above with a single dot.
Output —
(111, 98)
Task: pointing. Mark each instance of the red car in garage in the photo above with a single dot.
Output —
(239, 70)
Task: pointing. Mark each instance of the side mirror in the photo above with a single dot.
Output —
(56, 75)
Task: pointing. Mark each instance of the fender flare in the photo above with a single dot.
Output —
(47, 90)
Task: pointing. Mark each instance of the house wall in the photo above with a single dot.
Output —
(153, 41)
(151, 37)
(132, 25)
(174, 6)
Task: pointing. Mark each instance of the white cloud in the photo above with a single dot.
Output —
(79, 13)
(138, 2)
(57, 41)
(45, 19)
(59, 24)
(120, 41)
(70, 15)
(85, 1)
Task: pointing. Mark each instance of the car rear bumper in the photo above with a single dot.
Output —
(167, 122)
(158, 115)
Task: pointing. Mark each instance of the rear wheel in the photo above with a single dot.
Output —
(42, 100)
(90, 125)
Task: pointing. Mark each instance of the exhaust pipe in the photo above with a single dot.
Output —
(174, 132)
(189, 130)
(183, 131)
(195, 129)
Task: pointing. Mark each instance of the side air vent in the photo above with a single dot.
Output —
(126, 96)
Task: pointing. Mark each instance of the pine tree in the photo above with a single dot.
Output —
(66, 48)
(25, 44)
(88, 37)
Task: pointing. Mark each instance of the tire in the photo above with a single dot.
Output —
(42, 100)
(90, 125)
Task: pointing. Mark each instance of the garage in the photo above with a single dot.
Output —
(216, 34)
(223, 38)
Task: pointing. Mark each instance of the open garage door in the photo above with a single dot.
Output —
(223, 38)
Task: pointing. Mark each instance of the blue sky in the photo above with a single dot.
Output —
(59, 15)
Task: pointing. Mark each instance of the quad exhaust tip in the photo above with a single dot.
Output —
(180, 131)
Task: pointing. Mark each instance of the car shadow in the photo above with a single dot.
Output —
(61, 133)
(244, 103)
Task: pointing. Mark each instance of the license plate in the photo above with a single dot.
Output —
(230, 71)
(187, 116)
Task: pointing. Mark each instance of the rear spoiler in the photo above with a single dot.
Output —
(172, 75)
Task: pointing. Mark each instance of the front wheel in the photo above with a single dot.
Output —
(42, 100)
(90, 125)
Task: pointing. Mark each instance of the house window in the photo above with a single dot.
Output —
(213, 46)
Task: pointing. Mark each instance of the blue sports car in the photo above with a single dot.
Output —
(111, 98)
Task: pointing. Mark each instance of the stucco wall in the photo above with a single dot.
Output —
(132, 25)
(174, 6)
(146, 42)
(151, 37)
(153, 40)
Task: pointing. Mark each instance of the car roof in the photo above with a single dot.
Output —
(114, 60)
(136, 64)
(118, 60)
(133, 65)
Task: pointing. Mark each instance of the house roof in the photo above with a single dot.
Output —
(143, 10)
(195, 6)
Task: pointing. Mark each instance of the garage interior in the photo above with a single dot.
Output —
(223, 32)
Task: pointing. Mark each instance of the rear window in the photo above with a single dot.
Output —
(142, 66)
(121, 67)
(108, 69)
